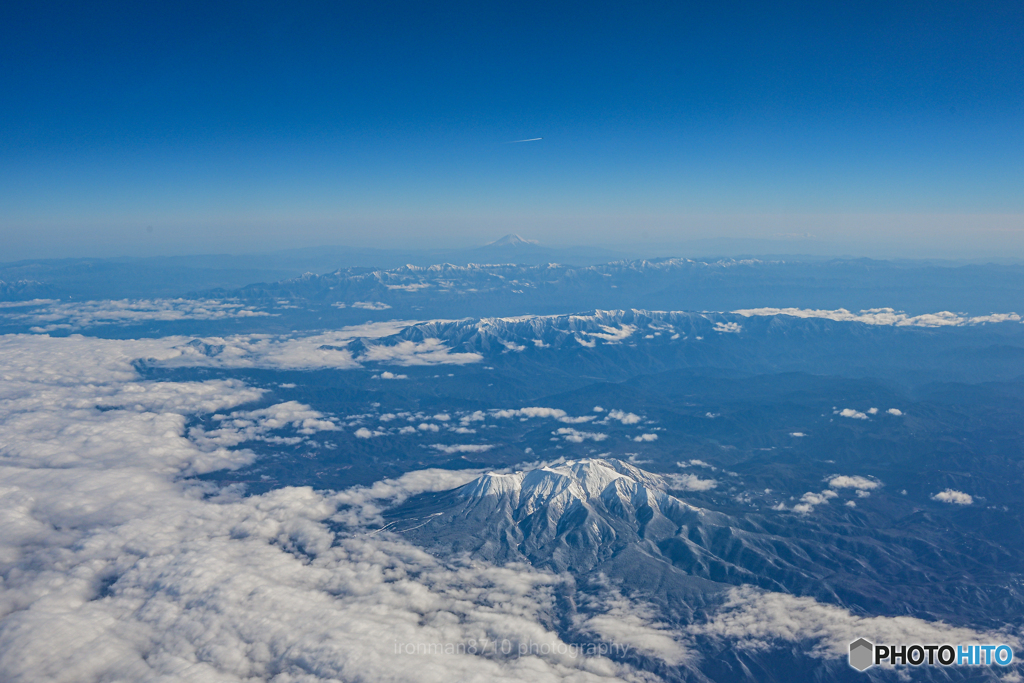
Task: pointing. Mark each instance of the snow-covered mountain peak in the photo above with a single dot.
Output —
(558, 487)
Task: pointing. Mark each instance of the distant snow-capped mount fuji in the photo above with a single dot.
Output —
(512, 240)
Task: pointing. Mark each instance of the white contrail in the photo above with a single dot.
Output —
(512, 142)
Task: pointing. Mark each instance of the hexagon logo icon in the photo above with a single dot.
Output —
(862, 654)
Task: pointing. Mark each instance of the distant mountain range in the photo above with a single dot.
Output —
(448, 290)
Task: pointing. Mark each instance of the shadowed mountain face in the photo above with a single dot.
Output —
(574, 516)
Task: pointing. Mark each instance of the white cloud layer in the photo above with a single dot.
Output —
(757, 620)
(298, 352)
(115, 567)
(51, 315)
(886, 316)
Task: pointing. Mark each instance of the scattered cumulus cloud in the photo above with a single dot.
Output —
(695, 463)
(841, 481)
(462, 448)
(259, 425)
(810, 500)
(689, 482)
(390, 375)
(851, 413)
(573, 436)
(733, 328)
(613, 335)
(953, 497)
(624, 417)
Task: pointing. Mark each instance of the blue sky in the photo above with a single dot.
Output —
(181, 127)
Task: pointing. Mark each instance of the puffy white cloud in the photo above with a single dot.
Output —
(690, 482)
(797, 434)
(841, 481)
(695, 463)
(582, 419)
(552, 413)
(645, 437)
(754, 619)
(624, 417)
(733, 328)
(895, 411)
(885, 316)
(613, 335)
(462, 448)
(574, 436)
(851, 413)
(953, 497)
(371, 305)
(390, 375)
(364, 505)
(810, 500)
(475, 416)
(256, 425)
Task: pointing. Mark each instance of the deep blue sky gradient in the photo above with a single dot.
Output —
(242, 126)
